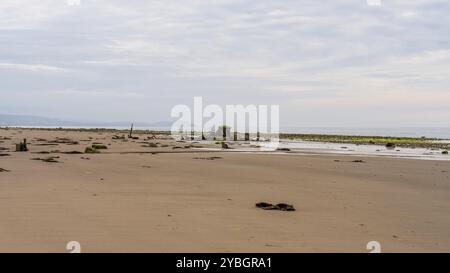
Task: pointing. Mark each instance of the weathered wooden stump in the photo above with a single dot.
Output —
(22, 146)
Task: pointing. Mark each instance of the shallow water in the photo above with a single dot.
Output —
(310, 147)
(368, 150)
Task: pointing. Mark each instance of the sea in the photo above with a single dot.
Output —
(429, 132)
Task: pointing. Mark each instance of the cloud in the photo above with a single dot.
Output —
(32, 67)
(96, 93)
(330, 54)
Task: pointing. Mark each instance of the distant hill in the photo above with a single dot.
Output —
(36, 121)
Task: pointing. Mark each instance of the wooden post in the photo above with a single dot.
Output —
(131, 131)
(22, 146)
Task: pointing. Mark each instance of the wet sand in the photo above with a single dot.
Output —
(180, 201)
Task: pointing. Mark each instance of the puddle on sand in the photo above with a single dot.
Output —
(309, 147)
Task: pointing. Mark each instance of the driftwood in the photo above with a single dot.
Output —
(130, 135)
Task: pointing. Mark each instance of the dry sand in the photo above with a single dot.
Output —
(172, 202)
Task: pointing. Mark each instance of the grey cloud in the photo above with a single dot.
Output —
(286, 52)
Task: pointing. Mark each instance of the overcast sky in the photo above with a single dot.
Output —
(326, 63)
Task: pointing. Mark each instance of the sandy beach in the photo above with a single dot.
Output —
(178, 197)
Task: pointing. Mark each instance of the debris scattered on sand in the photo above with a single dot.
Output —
(148, 167)
(50, 159)
(4, 170)
(99, 147)
(151, 145)
(390, 145)
(72, 153)
(279, 206)
(263, 205)
(353, 161)
(85, 158)
(445, 152)
(46, 144)
(4, 155)
(359, 161)
(90, 150)
(119, 137)
(63, 140)
(208, 158)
